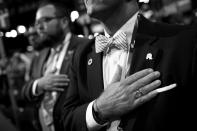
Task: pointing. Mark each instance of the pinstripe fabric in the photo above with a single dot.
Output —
(103, 43)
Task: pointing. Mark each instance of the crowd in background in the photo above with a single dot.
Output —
(14, 71)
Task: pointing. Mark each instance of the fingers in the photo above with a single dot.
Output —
(61, 76)
(58, 78)
(166, 88)
(146, 97)
(150, 87)
(138, 75)
(51, 82)
(60, 84)
(56, 89)
(146, 81)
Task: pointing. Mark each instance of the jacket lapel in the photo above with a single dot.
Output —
(94, 73)
(44, 55)
(145, 54)
(68, 56)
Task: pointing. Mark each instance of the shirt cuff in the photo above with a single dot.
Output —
(34, 88)
(92, 125)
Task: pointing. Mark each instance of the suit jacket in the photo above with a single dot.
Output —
(36, 72)
(6, 124)
(174, 55)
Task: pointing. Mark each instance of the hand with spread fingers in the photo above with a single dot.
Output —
(52, 82)
(121, 97)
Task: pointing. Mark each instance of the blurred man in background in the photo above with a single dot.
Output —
(49, 74)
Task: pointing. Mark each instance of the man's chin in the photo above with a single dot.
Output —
(47, 42)
(98, 12)
(98, 15)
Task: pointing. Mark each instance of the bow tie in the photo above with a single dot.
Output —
(103, 43)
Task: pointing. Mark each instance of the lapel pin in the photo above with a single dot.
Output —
(149, 56)
(90, 61)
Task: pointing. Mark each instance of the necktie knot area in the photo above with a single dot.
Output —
(103, 43)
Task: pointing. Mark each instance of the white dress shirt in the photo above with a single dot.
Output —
(111, 62)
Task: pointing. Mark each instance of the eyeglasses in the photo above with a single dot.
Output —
(45, 20)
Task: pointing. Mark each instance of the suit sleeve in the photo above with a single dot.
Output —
(26, 92)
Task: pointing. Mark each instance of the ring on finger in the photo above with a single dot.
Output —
(138, 93)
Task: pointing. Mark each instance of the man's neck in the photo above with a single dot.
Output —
(58, 42)
(119, 18)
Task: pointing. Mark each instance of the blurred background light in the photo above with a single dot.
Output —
(81, 35)
(74, 15)
(13, 33)
(144, 1)
(21, 29)
(7, 34)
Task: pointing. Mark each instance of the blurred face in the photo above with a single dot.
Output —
(48, 24)
(101, 7)
(34, 39)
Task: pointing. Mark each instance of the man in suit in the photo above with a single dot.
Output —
(155, 58)
(49, 70)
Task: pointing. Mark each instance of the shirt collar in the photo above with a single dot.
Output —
(60, 46)
(128, 28)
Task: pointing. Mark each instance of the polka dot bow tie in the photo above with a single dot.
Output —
(104, 43)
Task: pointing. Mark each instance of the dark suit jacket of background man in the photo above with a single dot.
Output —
(6, 124)
(174, 53)
(36, 72)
